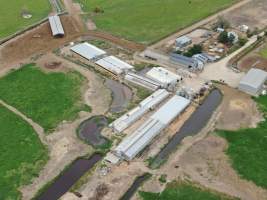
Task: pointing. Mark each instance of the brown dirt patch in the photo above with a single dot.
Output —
(252, 60)
(29, 44)
(238, 110)
(206, 163)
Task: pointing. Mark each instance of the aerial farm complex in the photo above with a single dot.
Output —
(133, 100)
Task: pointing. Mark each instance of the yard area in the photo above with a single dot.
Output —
(11, 19)
(183, 191)
(247, 149)
(22, 154)
(146, 21)
(263, 52)
(46, 98)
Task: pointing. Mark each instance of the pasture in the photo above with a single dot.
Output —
(46, 98)
(146, 21)
(22, 154)
(11, 19)
(247, 149)
(183, 191)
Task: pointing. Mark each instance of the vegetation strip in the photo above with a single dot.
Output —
(184, 191)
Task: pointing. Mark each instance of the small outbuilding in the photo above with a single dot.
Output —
(56, 26)
(183, 41)
(253, 82)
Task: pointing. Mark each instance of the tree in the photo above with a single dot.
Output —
(223, 37)
(197, 48)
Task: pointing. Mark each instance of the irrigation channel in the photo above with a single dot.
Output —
(192, 126)
(136, 184)
(65, 181)
(121, 95)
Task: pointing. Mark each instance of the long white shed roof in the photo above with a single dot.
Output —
(139, 139)
(113, 64)
(163, 75)
(133, 115)
(56, 26)
(87, 50)
(142, 81)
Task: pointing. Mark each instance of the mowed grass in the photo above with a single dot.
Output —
(248, 149)
(22, 154)
(183, 191)
(147, 21)
(11, 19)
(46, 98)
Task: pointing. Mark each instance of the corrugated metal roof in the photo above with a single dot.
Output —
(171, 109)
(183, 40)
(56, 26)
(87, 50)
(183, 60)
(130, 117)
(254, 78)
(142, 81)
(139, 139)
(163, 76)
(114, 64)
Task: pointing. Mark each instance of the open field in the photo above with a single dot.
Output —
(22, 154)
(47, 98)
(183, 191)
(247, 149)
(11, 19)
(147, 21)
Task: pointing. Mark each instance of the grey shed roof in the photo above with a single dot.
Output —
(56, 26)
(177, 58)
(183, 39)
(255, 78)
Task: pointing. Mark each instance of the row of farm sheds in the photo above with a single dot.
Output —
(159, 80)
(154, 79)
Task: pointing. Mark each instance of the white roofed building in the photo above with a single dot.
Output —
(253, 82)
(56, 26)
(166, 78)
(114, 65)
(87, 51)
(139, 139)
(133, 115)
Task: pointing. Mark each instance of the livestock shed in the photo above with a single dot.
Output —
(182, 41)
(114, 65)
(133, 115)
(139, 139)
(253, 82)
(142, 81)
(87, 51)
(56, 26)
(166, 78)
(184, 61)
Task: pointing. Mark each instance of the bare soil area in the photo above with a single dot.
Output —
(251, 14)
(238, 110)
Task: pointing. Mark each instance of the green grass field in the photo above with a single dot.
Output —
(183, 191)
(263, 52)
(146, 21)
(22, 154)
(11, 19)
(47, 98)
(248, 149)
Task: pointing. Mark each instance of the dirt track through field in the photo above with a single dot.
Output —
(38, 129)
